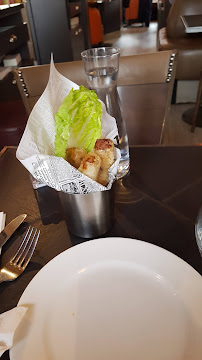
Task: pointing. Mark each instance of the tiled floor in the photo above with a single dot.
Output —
(136, 39)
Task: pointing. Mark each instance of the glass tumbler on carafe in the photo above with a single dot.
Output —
(101, 67)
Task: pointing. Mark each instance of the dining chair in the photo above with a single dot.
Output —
(95, 25)
(189, 46)
(150, 68)
(139, 11)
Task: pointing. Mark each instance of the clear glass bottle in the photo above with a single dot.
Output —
(101, 67)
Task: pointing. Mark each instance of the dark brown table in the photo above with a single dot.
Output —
(157, 202)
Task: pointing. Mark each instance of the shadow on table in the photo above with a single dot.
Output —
(49, 205)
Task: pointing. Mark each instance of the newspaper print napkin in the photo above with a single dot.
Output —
(36, 148)
(9, 322)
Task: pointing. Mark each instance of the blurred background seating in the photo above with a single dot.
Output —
(95, 26)
(139, 11)
(143, 69)
(73, 25)
(189, 46)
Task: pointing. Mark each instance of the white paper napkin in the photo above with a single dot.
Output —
(9, 322)
(2, 222)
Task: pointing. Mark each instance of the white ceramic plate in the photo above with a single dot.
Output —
(112, 299)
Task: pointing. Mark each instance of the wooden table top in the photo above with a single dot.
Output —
(157, 202)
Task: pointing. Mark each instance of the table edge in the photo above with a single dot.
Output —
(5, 148)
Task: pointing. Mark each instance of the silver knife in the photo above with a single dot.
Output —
(10, 228)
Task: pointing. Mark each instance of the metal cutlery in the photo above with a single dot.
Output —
(10, 228)
(22, 256)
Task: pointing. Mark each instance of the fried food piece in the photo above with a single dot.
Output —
(105, 149)
(74, 156)
(103, 177)
(90, 165)
(96, 163)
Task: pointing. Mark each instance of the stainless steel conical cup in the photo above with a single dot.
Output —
(88, 215)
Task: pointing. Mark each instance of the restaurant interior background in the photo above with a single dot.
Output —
(80, 25)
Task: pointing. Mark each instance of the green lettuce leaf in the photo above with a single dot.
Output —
(78, 121)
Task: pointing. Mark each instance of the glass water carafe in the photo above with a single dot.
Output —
(101, 67)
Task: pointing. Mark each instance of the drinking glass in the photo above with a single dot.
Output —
(101, 67)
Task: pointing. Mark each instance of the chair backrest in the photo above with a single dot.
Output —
(132, 10)
(148, 68)
(95, 26)
(174, 26)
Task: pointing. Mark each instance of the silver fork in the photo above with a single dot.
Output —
(21, 258)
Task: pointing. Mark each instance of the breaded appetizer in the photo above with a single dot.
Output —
(105, 149)
(90, 165)
(74, 156)
(103, 177)
(96, 163)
